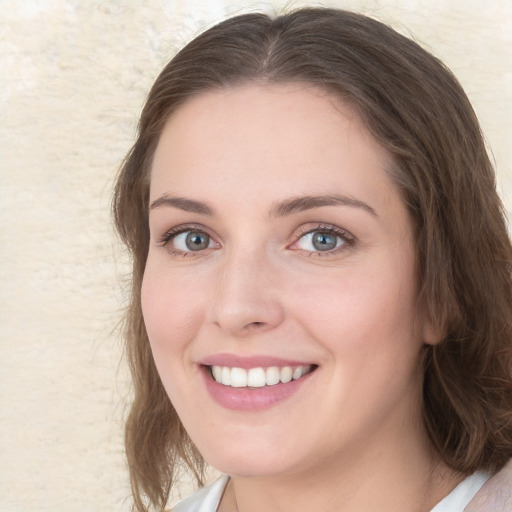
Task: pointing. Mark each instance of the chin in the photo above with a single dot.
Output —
(241, 467)
(246, 461)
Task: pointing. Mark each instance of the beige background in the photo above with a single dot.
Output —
(73, 77)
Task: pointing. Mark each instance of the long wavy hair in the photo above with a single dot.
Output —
(415, 108)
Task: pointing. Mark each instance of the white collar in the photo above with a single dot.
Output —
(457, 500)
(208, 498)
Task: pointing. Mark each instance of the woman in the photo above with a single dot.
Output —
(321, 302)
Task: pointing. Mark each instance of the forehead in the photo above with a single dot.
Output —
(257, 137)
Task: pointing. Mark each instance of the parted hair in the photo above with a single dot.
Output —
(415, 108)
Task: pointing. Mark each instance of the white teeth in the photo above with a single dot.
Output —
(217, 373)
(257, 377)
(238, 378)
(286, 374)
(226, 376)
(272, 376)
(297, 373)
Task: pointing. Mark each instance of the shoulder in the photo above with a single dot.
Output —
(495, 495)
(206, 499)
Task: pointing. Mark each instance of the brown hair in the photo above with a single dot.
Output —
(411, 103)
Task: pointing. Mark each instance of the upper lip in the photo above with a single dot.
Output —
(247, 362)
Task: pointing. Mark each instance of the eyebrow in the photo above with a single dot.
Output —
(280, 209)
(300, 204)
(182, 203)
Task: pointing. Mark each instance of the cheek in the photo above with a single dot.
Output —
(171, 316)
(171, 312)
(366, 323)
(354, 312)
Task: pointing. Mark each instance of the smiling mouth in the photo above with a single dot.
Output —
(259, 377)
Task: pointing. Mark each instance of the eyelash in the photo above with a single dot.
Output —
(348, 239)
(178, 230)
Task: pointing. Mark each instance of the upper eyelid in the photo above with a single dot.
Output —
(183, 228)
(350, 240)
(324, 227)
(296, 234)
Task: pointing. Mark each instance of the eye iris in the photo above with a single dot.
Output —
(324, 241)
(197, 241)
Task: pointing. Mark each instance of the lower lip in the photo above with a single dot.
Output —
(251, 399)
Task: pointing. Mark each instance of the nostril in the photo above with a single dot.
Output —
(255, 325)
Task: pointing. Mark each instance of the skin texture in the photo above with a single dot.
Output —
(350, 437)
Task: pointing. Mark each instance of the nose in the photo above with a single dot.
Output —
(246, 299)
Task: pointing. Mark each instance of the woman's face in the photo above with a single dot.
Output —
(280, 249)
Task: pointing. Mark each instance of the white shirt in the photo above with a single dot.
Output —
(208, 498)
(457, 500)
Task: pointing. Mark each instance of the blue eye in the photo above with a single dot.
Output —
(322, 241)
(191, 241)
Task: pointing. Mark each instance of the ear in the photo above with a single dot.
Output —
(431, 334)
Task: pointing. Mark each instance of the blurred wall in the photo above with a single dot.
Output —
(73, 77)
